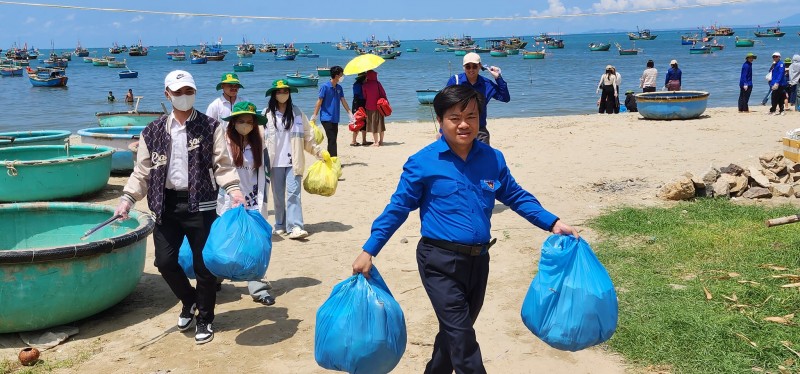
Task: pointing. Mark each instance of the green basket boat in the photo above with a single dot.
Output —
(20, 138)
(51, 277)
(52, 172)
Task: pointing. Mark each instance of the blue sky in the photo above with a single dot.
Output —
(38, 26)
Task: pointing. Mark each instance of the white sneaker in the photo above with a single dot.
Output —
(781, 114)
(186, 317)
(279, 232)
(298, 233)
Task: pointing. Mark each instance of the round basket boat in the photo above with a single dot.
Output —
(45, 137)
(52, 172)
(672, 104)
(52, 277)
(117, 137)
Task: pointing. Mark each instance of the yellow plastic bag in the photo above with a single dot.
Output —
(337, 167)
(319, 135)
(322, 178)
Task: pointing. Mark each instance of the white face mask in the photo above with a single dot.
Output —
(243, 128)
(282, 98)
(183, 102)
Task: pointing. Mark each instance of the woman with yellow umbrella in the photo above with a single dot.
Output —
(372, 91)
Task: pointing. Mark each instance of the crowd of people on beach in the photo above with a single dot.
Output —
(194, 166)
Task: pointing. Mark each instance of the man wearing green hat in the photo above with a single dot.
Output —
(746, 83)
(221, 106)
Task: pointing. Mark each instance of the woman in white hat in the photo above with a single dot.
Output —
(673, 80)
(607, 87)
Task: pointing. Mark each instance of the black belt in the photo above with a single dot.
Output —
(176, 194)
(469, 250)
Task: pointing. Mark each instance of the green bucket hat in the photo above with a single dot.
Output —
(231, 78)
(750, 54)
(278, 84)
(246, 107)
(787, 61)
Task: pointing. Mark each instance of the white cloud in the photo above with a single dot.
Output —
(138, 18)
(30, 20)
(240, 21)
(556, 8)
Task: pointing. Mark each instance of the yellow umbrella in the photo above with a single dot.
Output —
(363, 63)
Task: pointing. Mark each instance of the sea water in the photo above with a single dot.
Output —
(564, 82)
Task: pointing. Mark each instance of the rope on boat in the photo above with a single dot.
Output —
(10, 169)
(368, 20)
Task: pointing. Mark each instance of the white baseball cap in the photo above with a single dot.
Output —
(776, 54)
(472, 58)
(673, 62)
(178, 79)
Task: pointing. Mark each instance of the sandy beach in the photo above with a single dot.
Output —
(577, 166)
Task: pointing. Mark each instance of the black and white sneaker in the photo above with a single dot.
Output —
(203, 334)
(186, 317)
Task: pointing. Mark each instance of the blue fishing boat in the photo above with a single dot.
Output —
(41, 137)
(426, 96)
(47, 77)
(299, 80)
(44, 255)
(118, 138)
(284, 57)
(11, 69)
(672, 105)
(700, 50)
(199, 59)
(243, 66)
(53, 172)
(128, 74)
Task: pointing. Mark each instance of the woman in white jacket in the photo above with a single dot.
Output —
(288, 134)
(248, 150)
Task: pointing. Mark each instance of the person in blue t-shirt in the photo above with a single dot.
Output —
(330, 95)
(454, 183)
(746, 83)
(497, 90)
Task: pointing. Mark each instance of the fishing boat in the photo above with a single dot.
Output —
(47, 77)
(88, 59)
(284, 57)
(512, 51)
(533, 55)
(599, 47)
(125, 74)
(179, 57)
(460, 52)
(716, 46)
(267, 47)
(100, 61)
(176, 52)
(555, 44)
(719, 31)
(117, 64)
(244, 53)
(324, 71)
(543, 38)
(10, 69)
(41, 137)
(55, 61)
(700, 50)
(498, 53)
(496, 47)
(439, 49)
(66, 56)
(672, 105)
(299, 80)
(633, 51)
(694, 39)
(243, 66)
(115, 49)
(305, 51)
(115, 137)
(128, 118)
(199, 59)
(51, 172)
(387, 52)
(80, 51)
(414, 49)
(772, 32)
(45, 254)
(426, 96)
(643, 34)
(137, 50)
(514, 43)
(744, 42)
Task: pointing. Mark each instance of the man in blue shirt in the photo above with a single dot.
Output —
(777, 84)
(489, 89)
(330, 95)
(746, 83)
(454, 182)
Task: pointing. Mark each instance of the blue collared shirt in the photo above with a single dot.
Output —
(455, 197)
(489, 89)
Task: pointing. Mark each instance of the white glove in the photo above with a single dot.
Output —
(313, 118)
(774, 86)
(744, 87)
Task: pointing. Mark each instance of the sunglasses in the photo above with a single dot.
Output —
(471, 66)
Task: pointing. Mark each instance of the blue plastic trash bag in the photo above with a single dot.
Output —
(239, 245)
(571, 303)
(185, 259)
(360, 328)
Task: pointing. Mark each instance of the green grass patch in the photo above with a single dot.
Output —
(46, 366)
(667, 262)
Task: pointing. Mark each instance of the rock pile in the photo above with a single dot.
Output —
(777, 176)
